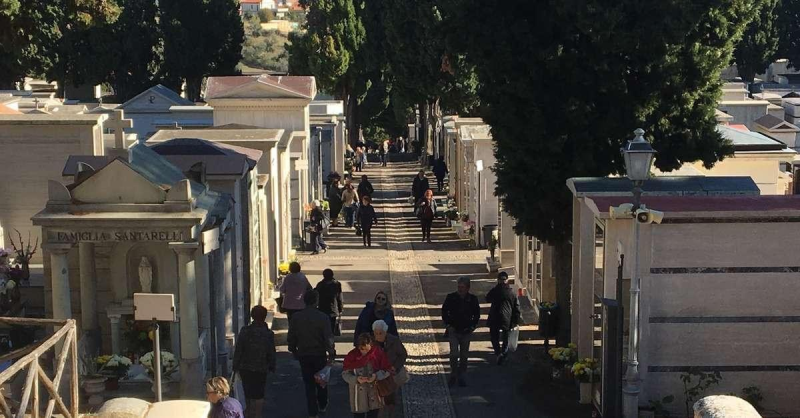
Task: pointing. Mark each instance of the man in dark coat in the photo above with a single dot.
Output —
(460, 314)
(440, 170)
(420, 186)
(503, 315)
(365, 187)
(330, 297)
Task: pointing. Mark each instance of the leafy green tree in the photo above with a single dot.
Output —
(136, 41)
(563, 85)
(264, 49)
(759, 43)
(788, 24)
(201, 38)
(266, 15)
(29, 35)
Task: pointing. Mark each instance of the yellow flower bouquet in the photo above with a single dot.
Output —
(585, 369)
(564, 355)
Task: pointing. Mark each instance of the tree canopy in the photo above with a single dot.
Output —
(759, 44)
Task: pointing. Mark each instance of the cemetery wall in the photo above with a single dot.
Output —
(721, 296)
(32, 155)
(764, 172)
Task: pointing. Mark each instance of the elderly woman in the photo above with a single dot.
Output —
(363, 367)
(222, 405)
(380, 308)
(397, 354)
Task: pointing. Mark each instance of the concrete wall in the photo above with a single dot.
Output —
(744, 112)
(759, 331)
(764, 169)
(31, 155)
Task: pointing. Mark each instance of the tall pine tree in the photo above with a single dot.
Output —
(564, 84)
(759, 43)
(201, 38)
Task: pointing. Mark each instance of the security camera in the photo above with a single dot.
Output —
(649, 216)
(622, 211)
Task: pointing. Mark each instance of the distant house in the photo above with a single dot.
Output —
(249, 6)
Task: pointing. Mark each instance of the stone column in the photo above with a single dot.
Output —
(204, 306)
(116, 342)
(88, 297)
(191, 373)
(222, 282)
(59, 280)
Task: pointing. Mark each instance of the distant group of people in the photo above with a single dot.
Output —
(357, 206)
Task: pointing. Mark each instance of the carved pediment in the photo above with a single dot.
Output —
(117, 182)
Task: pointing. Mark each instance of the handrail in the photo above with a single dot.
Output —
(29, 358)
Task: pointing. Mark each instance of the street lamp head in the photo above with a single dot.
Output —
(638, 156)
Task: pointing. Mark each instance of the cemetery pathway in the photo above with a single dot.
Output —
(418, 276)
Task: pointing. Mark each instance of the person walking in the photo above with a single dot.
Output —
(397, 354)
(294, 286)
(426, 212)
(379, 309)
(316, 226)
(460, 314)
(363, 366)
(254, 358)
(330, 298)
(218, 392)
(367, 218)
(440, 170)
(310, 340)
(419, 186)
(360, 158)
(365, 187)
(335, 200)
(504, 315)
(401, 146)
(350, 203)
(382, 148)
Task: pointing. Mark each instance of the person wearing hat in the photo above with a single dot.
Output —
(504, 315)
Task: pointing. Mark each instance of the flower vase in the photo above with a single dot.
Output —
(112, 383)
(94, 387)
(586, 393)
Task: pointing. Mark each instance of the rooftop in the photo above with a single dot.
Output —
(664, 186)
(750, 141)
(219, 87)
(760, 206)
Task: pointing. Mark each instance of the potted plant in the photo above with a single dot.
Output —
(169, 365)
(563, 357)
(115, 367)
(584, 372)
(94, 384)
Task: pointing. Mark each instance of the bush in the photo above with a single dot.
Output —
(266, 15)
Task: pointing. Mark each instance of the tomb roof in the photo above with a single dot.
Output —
(221, 87)
(29, 119)
(758, 206)
(168, 94)
(775, 123)
(749, 141)
(664, 186)
(223, 156)
(218, 134)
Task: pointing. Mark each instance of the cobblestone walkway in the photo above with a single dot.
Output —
(426, 394)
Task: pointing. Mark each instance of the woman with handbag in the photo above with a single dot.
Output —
(426, 211)
(366, 368)
(330, 299)
(397, 354)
